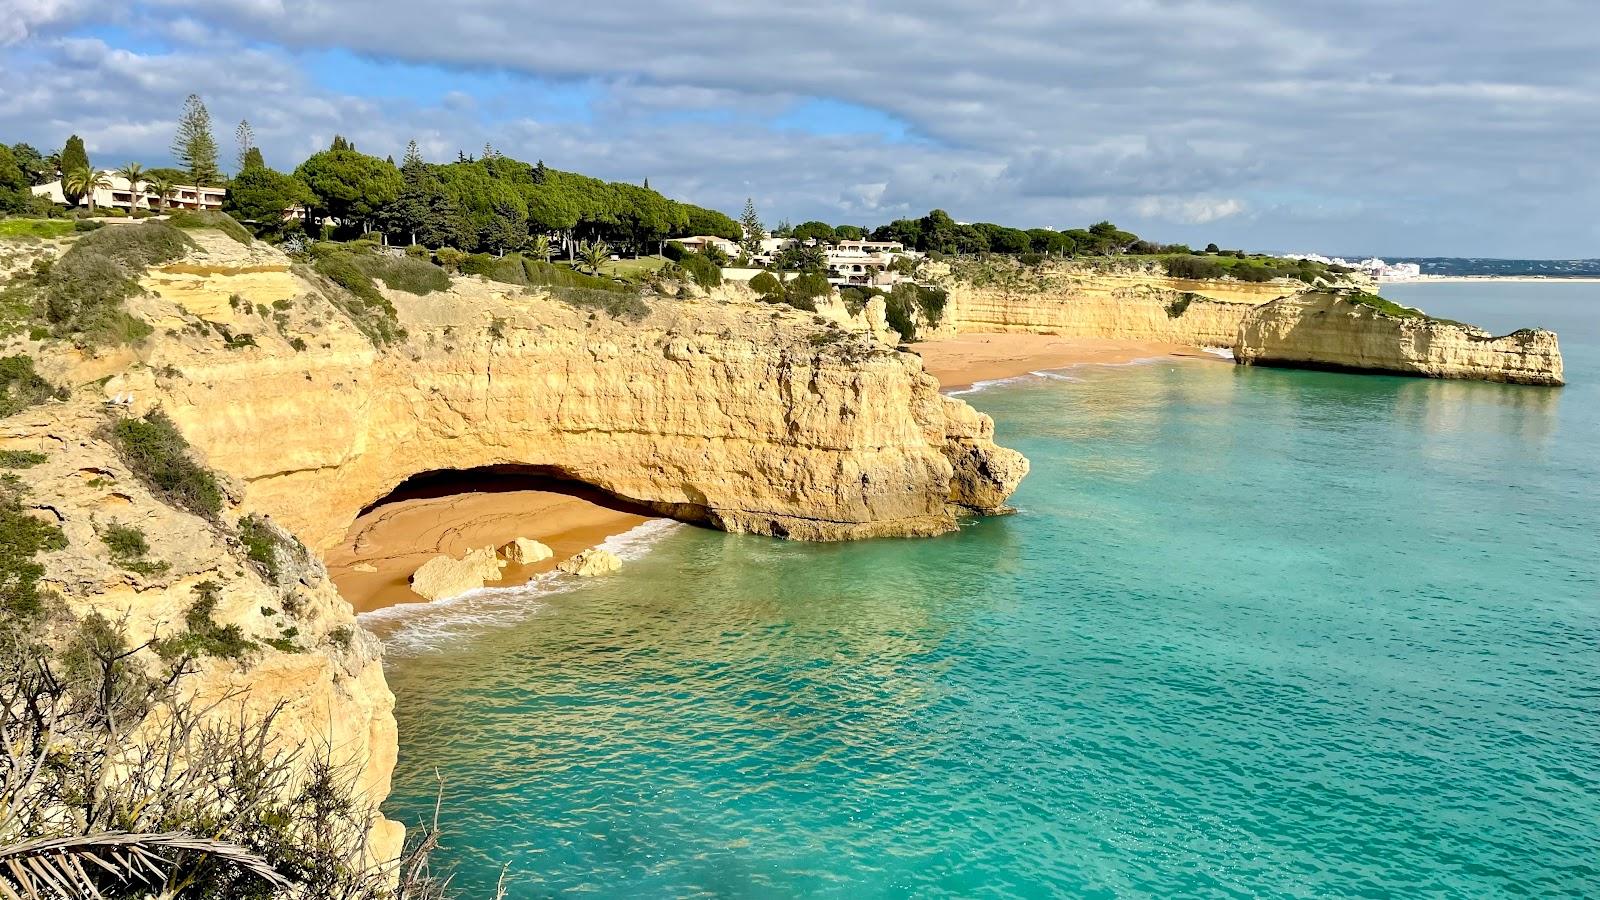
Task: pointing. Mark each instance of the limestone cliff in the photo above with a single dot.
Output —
(1329, 329)
(749, 418)
(323, 676)
(1281, 322)
(743, 416)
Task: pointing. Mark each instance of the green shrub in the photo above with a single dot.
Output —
(83, 225)
(366, 306)
(543, 274)
(705, 273)
(897, 308)
(931, 301)
(20, 459)
(22, 537)
(262, 545)
(617, 304)
(1192, 268)
(766, 284)
(204, 636)
(221, 221)
(856, 297)
(504, 269)
(35, 228)
(22, 387)
(159, 456)
(414, 276)
(129, 549)
(675, 251)
(84, 292)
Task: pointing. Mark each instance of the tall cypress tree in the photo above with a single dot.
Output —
(73, 158)
(194, 145)
(245, 137)
(751, 223)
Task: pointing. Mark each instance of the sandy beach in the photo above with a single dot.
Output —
(382, 548)
(981, 356)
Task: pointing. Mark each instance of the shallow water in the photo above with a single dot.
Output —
(1252, 632)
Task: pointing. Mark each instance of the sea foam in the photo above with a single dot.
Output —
(412, 628)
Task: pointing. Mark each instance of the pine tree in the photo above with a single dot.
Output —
(194, 145)
(413, 156)
(339, 143)
(540, 173)
(245, 137)
(751, 223)
(647, 183)
(73, 159)
(253, 160)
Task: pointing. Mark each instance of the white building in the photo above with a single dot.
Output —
(700, 242)
(120, 195)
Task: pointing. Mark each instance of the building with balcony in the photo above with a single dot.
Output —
(120, 195)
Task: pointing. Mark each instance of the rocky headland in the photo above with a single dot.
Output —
(1336, 324)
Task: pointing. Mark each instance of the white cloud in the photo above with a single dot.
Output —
(1258, 121)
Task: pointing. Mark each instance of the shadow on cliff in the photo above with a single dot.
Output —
(502, 479)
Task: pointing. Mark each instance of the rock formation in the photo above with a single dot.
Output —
(739, 415)
(590, 563)
(1282, 322)
(1323, 329)
(445, 576)
(524, 552)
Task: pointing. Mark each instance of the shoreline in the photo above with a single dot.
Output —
(372, 567)
(976, 357)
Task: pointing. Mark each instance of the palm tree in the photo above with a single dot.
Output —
(135, 175)
(162, 188)
(84, 181)
(593, 254)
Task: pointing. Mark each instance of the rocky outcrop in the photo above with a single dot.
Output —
(744, 416)
(308, 662)
(445, 576)
(591, 563)
(1282, 322)
(747, 417)
(524, 552)
(1334, 330)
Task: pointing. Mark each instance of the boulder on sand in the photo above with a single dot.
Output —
(591, 562)
(524, 552)
(445, 576)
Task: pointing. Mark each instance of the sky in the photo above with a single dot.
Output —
(1403, 127)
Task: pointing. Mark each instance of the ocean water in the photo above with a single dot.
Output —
(1252, 632)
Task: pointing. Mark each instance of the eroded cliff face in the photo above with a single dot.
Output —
(1322, 329)
(1281, 322)
(744, 416)
(749, 418)
(321, 677)
(1124, 305)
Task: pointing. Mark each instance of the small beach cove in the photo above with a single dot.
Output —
(979, 357)
(385, 545)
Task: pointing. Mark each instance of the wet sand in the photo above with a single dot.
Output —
(373, 566)
(979, 356)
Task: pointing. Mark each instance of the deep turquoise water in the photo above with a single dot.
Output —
(1253, 632)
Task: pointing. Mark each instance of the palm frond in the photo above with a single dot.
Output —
(61, 867)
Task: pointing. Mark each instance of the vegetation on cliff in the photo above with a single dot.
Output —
(21, 386)
(158, 454)
(83, 293)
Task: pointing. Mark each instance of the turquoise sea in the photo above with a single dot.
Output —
(1252, 632)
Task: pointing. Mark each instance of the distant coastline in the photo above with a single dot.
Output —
(1458, 279)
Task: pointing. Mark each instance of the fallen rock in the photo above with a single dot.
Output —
(525, 552)
(445, 576)
(591, 562)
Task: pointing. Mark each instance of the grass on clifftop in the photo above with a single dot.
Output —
(82, 294)
(36, 228)
(221, 221)
(361, 301)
